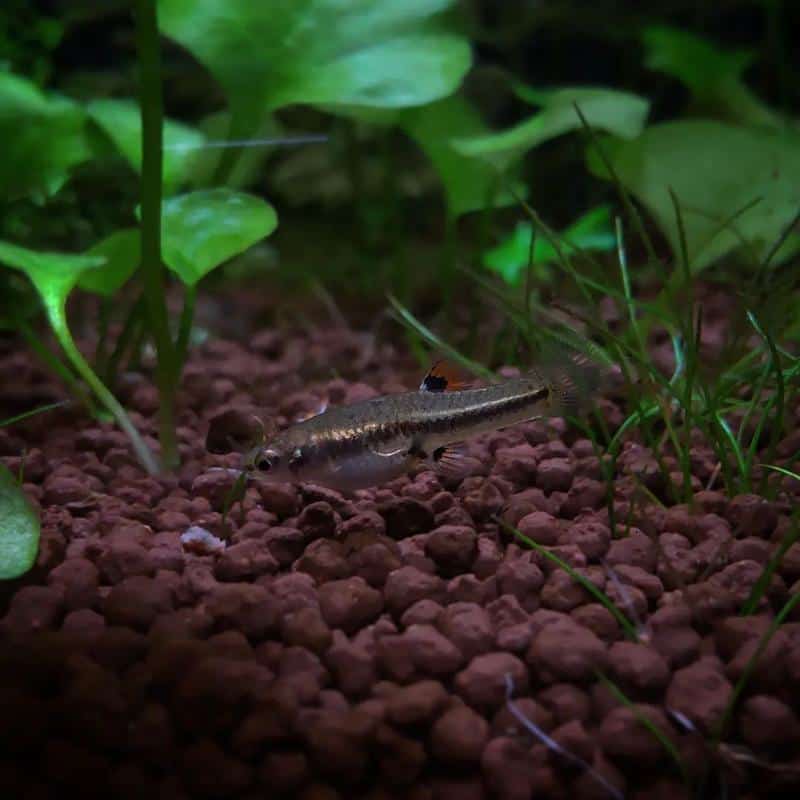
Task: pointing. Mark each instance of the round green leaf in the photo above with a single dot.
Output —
(621, 113)
(122, 253)
(717, 172)
(121, 121)
(19, 529)
(203, 229)
(43, 136)
(386, 53)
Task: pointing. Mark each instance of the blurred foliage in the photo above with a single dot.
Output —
(736, 187)
(593, 231)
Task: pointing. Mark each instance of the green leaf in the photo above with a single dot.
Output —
(43, 136)
(274, 53)
(19, 529)
(609, 110)
(713, 75)
(592, 231)
(203, 229)
(122, 253)
(121, 121)
(469, 183)
(734, 185)
(53, 274)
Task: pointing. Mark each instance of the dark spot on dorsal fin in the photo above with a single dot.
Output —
(444, 377)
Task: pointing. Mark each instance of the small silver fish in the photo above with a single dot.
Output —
(374, 441)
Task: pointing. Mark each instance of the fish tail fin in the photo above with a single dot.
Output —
(574, 379)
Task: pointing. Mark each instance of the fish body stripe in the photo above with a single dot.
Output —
(416, 416)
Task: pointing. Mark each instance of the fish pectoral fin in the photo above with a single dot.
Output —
(444, 376)
(454, 462)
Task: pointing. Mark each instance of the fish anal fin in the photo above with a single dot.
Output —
(444, 376)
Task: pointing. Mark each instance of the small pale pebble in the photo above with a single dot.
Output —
(201, 542)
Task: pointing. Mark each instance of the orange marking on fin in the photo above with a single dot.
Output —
(444, 376)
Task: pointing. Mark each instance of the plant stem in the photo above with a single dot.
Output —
(152, 157)
(53, 363)
(129, 329)
(185, 325)
(59, 322)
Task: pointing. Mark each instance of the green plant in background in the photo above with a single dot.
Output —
(367, 54)
(48, 137)
(714, 76)
(594, 231)
(621, 113)
(737, 187)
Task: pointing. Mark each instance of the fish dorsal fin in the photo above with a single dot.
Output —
(444, 376)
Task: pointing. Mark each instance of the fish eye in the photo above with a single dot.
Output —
(263, 465)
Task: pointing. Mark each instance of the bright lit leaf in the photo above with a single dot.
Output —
(19, 529)
(593, 231)
(54, 275)
(270, 54)
(121, 122)
(43, 136)
(621, 113)
(203, 229)
(734, 185)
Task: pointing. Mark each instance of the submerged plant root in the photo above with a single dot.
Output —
(366, 646)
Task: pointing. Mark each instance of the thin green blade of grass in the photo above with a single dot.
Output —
(727, 435)
(622, 259)
(727, 713)
(651, 727)
(782, 470)
(622, 191)
(761, 585)
(780, 392)
(407, 318)
(33, 412)
(627, 626)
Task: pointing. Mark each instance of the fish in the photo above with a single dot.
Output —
(371, 442)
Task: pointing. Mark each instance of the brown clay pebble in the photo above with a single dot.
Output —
(137, 601)
(79, 578)
(507, 768)
(306, 628)
(483, 682)
(638, 666)
(34, 608)
(623, 735)
(767, 723)
(468, 627)
(407, 585)
(567, 651)
(700, 692)
(459, 736)
(418, 702)
(353, 665)
(349, 604)
(452, 547)
(541, 527)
